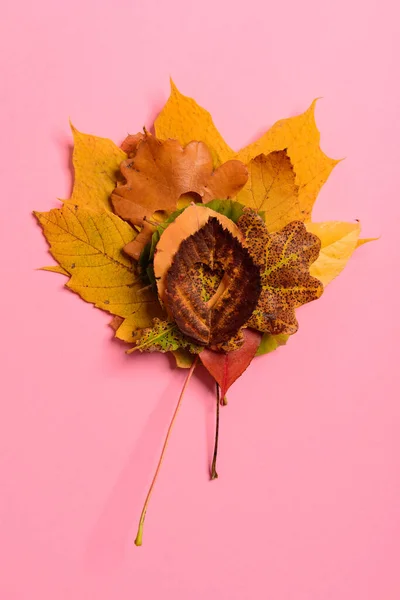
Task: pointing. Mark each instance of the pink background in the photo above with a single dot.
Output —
(308, 501)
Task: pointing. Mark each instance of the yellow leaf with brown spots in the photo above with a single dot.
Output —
(284, 258)
(271, 188)
(96, 163)
(128, 328)
(88, 245)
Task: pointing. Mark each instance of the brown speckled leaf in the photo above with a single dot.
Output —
(284, 258)
(186, 224)
(211, 323)
(160, 172)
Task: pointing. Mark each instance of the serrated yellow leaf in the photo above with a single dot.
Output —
(338, 242)
(271, 188)
(184, 120)
(96, 163)
(300, 137)
(88, 245)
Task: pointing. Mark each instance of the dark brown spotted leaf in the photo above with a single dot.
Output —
(217, 320)
(284, 258)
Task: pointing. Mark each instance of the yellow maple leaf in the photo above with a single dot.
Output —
(184, 120)
(88, 246)
(97, 164)
(300, 137)
(338, 242)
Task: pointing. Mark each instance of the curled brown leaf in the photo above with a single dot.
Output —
(210, 323)
(187, 223)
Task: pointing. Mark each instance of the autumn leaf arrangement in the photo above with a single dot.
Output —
(195, 249)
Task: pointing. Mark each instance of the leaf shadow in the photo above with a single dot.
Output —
(106, 546)
(65, 147)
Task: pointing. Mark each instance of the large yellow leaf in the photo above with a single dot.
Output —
(300, 137)
(184, 120)
(271, 188)
(96, 163)
(338, 242)
(88, 245)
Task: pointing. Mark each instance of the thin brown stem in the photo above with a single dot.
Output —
(214, 474)
(138, 540)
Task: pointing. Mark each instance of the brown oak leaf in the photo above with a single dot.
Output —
(212, 323)
(284, 258)
(131, 143)
(160, 172)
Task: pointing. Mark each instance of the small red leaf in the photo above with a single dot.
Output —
(227, 367)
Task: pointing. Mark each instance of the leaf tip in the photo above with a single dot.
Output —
(72, 126)
(174, 89)
(313, 104)
(363, 241)
(38, 215)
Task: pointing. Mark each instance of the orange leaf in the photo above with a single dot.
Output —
(161, 172)
(226, 368)
(131, 143)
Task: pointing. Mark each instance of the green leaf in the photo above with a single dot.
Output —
(229, 208)
(269, 343)
(163, 336)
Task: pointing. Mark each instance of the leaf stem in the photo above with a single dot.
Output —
(139, 536)
(214, 474)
